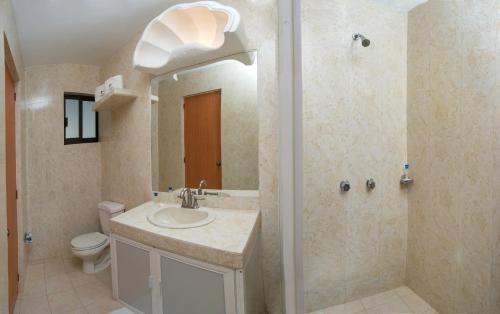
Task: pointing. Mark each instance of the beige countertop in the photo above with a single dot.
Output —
(227, 241)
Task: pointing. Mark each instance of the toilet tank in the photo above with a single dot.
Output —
(108, 210)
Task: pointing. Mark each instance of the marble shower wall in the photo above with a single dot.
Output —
(9, 30)
(126, 136)
(239, 124)
(354, 128)
(64, 181)
(454, 147)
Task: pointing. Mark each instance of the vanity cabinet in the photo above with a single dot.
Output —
(148, 280)
(196, 288)
(133, 271)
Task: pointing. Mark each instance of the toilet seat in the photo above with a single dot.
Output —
(89, 241)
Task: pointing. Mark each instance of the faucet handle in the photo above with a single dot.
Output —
(370, 184)
(345, 186)
(182, 193)
(185, 198)
(197, 198)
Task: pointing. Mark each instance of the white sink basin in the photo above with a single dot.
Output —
(181, 218)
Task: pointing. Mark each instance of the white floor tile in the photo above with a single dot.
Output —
(90, 293)
(378, 299)
(58, 283)
(403, 291)
(35, 305)
(65, 302)
(34, 288)
(417, 304)
(397, 306)
(59, 286)
(401, 300)
(103, 307)
(346, 308)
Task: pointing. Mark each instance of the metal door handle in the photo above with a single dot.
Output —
(219, 163)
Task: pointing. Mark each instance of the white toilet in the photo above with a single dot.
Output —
(92, 248)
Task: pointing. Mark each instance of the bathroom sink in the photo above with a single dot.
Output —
(181, 218)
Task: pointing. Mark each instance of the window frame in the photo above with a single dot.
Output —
(80, 140)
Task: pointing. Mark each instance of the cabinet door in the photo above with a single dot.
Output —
(196, 288)
(133, 276)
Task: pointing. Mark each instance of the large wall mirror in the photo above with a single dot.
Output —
(205, 127)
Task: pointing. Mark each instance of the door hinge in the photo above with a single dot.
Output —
(15, 96)
(17, 195)
(183, 106)
(17, 277)
(184, 159)
(8, 232)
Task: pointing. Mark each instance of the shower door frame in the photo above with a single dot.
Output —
(290, 154)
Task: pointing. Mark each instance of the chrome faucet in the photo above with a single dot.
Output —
(189, 200)
(203, 184)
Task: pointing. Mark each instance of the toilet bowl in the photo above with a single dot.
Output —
(93, 248)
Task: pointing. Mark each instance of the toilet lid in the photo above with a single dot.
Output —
(88, 241)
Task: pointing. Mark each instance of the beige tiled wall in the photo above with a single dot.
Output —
(239, 124)
(126, 136)
(354, 128)
(64, 181)
(453, 132)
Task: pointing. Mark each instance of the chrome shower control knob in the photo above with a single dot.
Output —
(345, 186)
(370, 184)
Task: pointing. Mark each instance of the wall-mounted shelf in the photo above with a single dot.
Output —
(114, 99)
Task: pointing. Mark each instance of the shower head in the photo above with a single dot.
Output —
(365, 42)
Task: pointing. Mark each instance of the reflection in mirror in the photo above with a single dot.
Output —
(205, 127)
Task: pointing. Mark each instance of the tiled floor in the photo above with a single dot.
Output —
(59, 286)
(400, 300)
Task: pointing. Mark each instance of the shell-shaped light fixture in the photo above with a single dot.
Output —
(182, 30)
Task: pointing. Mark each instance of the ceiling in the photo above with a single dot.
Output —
(80, 31)
(402, 5)
(90, 31)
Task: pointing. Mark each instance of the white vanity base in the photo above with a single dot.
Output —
(152, 281)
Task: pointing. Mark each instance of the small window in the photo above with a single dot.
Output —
(80, 121)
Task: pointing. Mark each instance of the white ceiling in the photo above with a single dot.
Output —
(402, 5)
(80, 31)
(90, 31)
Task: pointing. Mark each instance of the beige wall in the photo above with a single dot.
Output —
(126, 138)
(355, 129)
(239, 124)
(64, 181)
(8, 28)
(453, 144)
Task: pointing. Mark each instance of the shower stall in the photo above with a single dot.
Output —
(384, 91)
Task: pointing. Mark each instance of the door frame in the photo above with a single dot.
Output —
(290, 154)
(10, 66)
